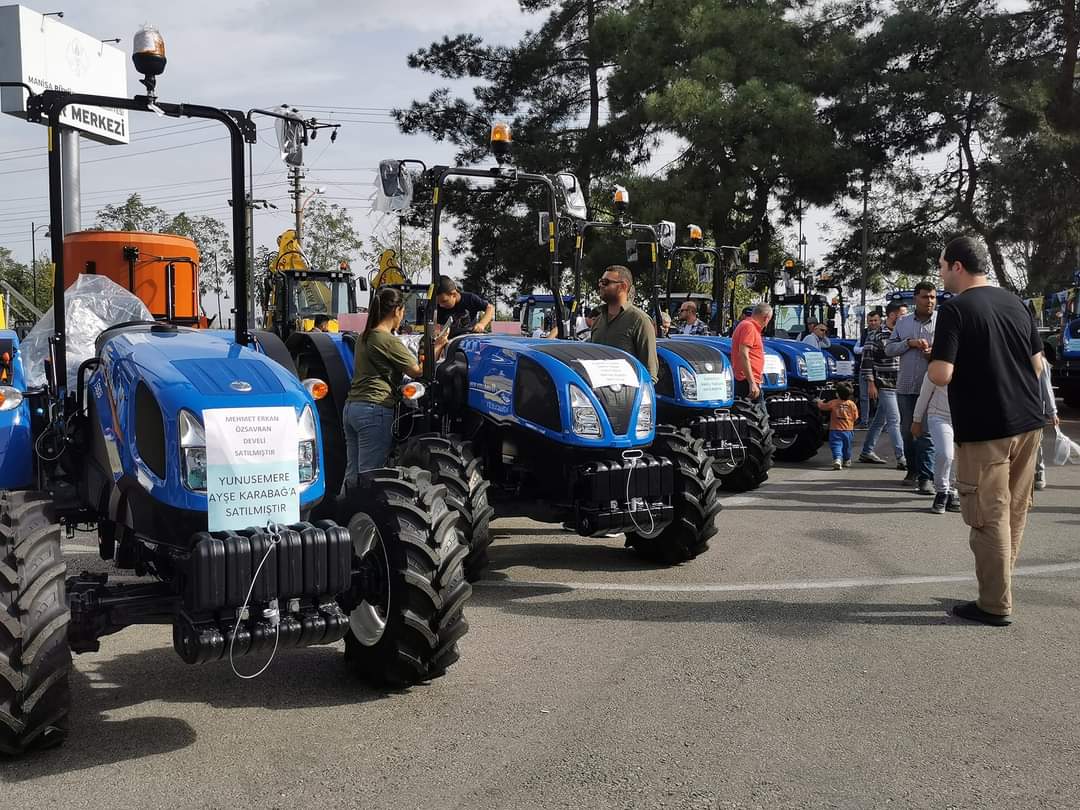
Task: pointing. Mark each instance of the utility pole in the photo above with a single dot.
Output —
(249, 234)
(296, 175)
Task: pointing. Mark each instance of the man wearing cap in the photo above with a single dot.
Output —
(748, 352)
(462, 309)
(621, 325)
(987, 350)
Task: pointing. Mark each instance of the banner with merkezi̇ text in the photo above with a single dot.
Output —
(251, 467)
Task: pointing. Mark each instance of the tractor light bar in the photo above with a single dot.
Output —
(695, 233)
(10, 398)
(317, 388)
(307, 449)
(688, 384)
(192, 451)
(645, 414)
(585, 420)
(501, 141)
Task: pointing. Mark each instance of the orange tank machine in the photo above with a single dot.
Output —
(161, 269)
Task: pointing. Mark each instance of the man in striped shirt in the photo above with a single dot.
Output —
(877, 374)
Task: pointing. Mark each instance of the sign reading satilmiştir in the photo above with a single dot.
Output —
(48, 55)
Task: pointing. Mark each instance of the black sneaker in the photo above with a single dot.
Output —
(901, 464)
(940, 500)
(953, 504)
(911, 477)
(973, 613)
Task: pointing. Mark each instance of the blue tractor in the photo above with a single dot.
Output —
(557, 430)
(200, 464)
(750, 430)
(1066, 370)
(696, 388)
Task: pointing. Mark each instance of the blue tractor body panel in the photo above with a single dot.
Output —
(686, 358)
(16, 443)
(804, 364)
(1066, 370)
(183, 370)
(526, 382)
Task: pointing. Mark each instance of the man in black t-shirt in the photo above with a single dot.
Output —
(462, 309)
(988, 351)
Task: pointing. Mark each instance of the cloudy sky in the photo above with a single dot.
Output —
(344, 61)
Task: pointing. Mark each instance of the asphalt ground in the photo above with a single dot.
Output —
(806, 660)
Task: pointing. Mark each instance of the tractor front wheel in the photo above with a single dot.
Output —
(408, 586)
(34, 655)
(759, 449)
(695, 501)
(452, 461)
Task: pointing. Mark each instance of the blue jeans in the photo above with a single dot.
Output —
(864, 403)
(887, 418)
(368, 437)
(840, 442)
(918, 452)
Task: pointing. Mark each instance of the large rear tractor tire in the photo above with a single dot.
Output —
(758, 460)
(409, 588)
(806, 445)
(453, 463)
(35, 659)
(695, 501)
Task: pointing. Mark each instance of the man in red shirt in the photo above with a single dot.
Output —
(748, 352)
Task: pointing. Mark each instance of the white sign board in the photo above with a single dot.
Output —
(47, 55)
(704, 273)
(712, 387)
(251, 467)
(602, 373)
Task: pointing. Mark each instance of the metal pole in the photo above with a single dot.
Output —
(296, 191)
(251, 235)
(865, 240)
(70, 178)
(33, 258)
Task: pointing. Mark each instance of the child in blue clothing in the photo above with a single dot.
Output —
(843, 414)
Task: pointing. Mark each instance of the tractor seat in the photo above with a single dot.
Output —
(130, 326)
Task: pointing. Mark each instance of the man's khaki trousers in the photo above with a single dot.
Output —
(995, 480)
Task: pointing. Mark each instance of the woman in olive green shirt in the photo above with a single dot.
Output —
(381, 361)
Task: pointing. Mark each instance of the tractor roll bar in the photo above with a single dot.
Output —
(585, 226)
(49, 104)
(442, 173)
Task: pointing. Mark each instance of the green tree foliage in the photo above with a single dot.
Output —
(329, 235)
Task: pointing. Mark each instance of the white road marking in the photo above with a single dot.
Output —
(795, 585)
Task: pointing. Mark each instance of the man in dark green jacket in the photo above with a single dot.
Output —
(621, 324)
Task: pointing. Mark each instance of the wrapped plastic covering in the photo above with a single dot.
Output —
(92, 304)
(393, 187)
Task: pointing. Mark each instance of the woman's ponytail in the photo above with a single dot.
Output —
(384, 304)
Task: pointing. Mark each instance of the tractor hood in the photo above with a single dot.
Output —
(539, 383)
(694, 374)
(802, 361)
(150, 373)
(774, 377)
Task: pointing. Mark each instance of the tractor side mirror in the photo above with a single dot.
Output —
(573, 199)
(361, 284)
(543, 229)
(517, 313)
(393, 187)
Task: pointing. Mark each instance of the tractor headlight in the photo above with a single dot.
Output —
(10, 398)
(307, 451)
(192, 452)
(831, 362)
(585, 419)
(645, 414)
(688, 384)
(729, 382)
(800, 364)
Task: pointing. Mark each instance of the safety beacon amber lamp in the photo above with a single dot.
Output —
(316, 387)
(621, 199)
(501, 142)
(695, 233)
(148, 55)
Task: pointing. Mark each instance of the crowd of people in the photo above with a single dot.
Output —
(962, 393)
